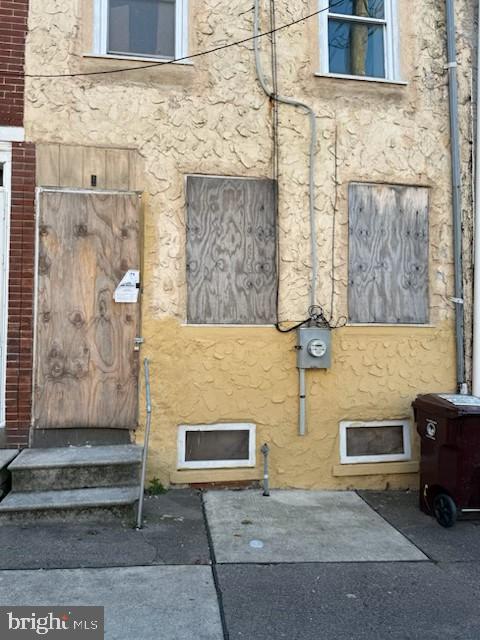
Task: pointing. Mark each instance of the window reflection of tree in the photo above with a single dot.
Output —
(356, 36)
(367, 8)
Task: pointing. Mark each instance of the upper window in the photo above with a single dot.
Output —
(358, 38)
(141, 28)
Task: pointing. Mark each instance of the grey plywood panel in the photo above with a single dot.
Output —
(117, 169)
(71, 166)
(388, 254)
(94, 164)
(231, 270)
(48, 165)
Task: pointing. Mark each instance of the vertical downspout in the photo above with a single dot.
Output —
(311, 186)
(456, 193)
(476, 280)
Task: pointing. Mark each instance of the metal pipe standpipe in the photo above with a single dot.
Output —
(145, 444)
(266, 485)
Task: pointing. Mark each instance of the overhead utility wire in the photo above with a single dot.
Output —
(174, 60)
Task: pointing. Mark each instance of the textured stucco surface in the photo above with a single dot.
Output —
(211, 117)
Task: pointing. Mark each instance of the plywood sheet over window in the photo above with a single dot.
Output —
(388, 254)
(231, 271)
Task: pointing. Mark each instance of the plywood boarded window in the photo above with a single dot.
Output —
(231, 270)
(388, 254)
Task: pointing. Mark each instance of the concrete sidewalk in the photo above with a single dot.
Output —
(377, 569)
(141, 603)
(301, 526)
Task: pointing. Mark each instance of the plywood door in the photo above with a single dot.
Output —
(86, 366)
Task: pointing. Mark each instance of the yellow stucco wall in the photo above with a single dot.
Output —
(211, 117)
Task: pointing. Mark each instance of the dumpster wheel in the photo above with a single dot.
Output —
(445, 510)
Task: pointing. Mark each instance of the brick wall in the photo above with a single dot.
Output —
(13, 29)
(20, 293)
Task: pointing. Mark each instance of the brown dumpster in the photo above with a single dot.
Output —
(449, 428)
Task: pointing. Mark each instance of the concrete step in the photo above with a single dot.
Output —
(6, 457)
(76, 468)
(98, 504)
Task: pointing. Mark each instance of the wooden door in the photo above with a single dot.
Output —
(86, 366)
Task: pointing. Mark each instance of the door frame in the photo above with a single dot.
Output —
(6, 160)
(113, 192)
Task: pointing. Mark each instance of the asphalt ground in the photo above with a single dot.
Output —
(152, 586)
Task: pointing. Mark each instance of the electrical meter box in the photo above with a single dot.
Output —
(314, 348)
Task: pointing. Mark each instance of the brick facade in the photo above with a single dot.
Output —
(20, 296)
(13, 30)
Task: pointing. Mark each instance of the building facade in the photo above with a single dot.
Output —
(17, 230)
(191, 175)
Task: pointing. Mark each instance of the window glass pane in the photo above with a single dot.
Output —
(370, 8)
(356, 49)
(375, 441)
(216, 445)
(145, 27)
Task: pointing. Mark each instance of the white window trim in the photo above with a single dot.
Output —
(6, 160)
(393, 457)
(216, 464)
(12, 134)
(392, 45)
(100, 33)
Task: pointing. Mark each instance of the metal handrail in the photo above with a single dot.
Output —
(145, 443)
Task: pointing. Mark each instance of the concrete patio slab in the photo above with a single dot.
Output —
(301, 526)
(140, 602)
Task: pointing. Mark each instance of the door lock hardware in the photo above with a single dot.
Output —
(138, 341)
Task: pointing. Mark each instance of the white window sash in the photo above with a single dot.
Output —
(391, 38)
(387, 457)
(216, 464)
(100, 31)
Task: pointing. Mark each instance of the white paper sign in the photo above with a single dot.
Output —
(127, 290)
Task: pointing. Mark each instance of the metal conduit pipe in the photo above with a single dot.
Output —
(476, 281)
(313, 141)
(302, 429)
(456, 192)
(311, 182)
(148, 400)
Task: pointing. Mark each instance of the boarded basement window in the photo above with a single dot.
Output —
(216, 446)
(388, 254)
(231, 269)
(362, 442)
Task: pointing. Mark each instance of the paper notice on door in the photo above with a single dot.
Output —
(127, 290)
